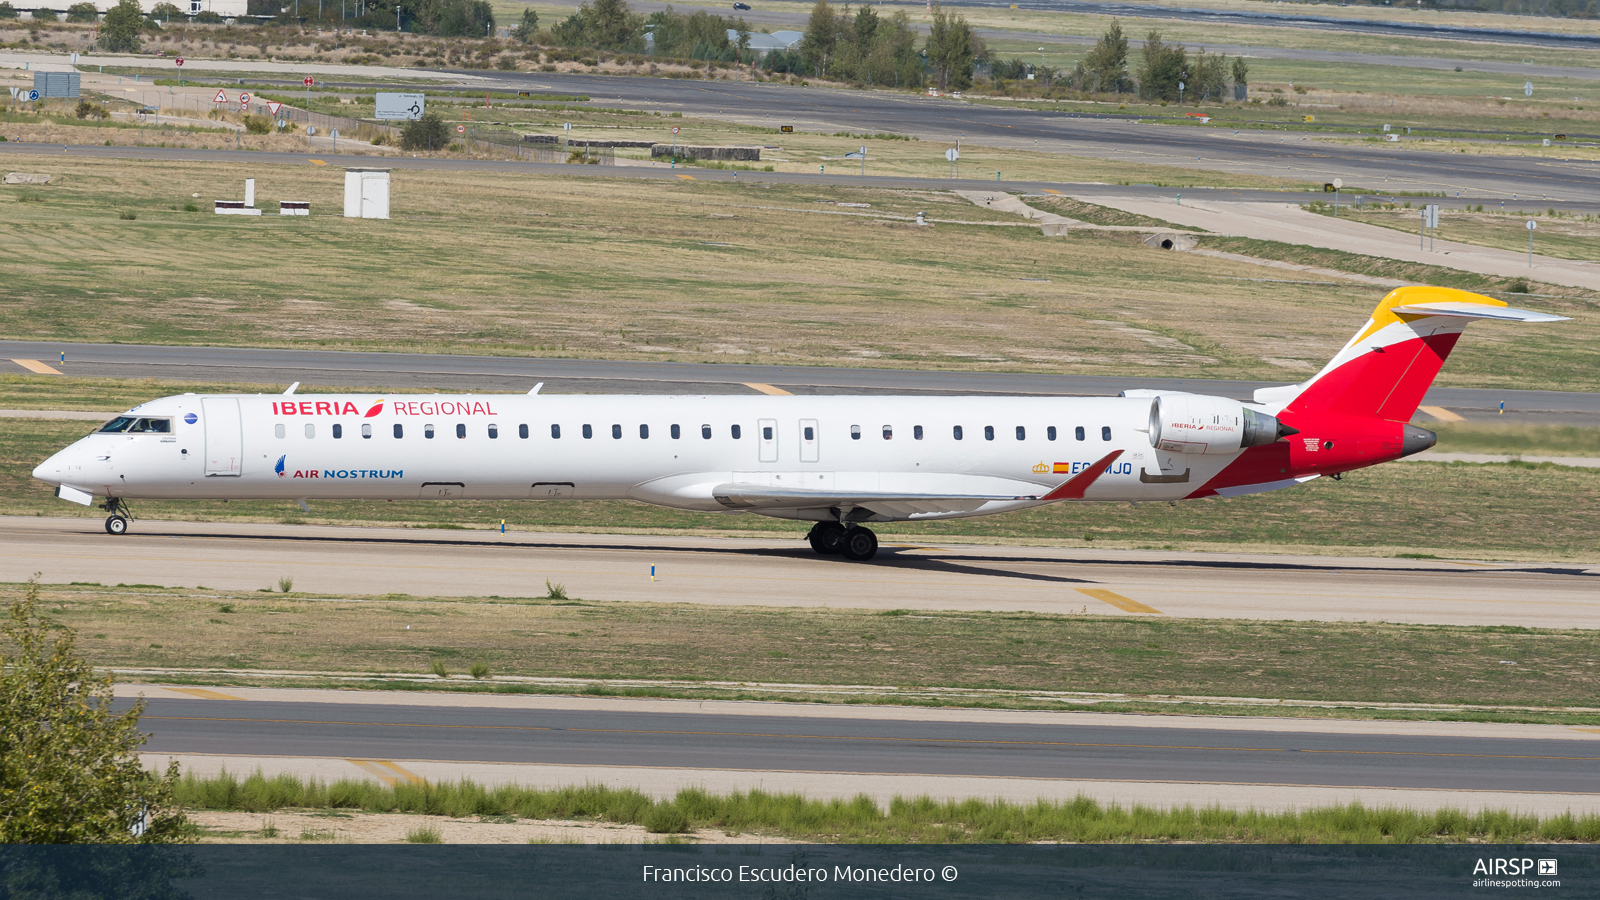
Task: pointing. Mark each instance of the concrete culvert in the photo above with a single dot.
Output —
(1172, 240)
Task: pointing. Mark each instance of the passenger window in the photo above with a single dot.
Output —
(1105, 433)
(988, 432)
(1078, 433)
(916, 433)
(1022, 433)
(427, 432)
(494, 432)
(705, 432)
(644, 432)
(311, 430)
(338, 432)
(888, 432)
(956, 432)
(587, 432)
(522, 432)
(461, 430)
(855, 432)
(399, 432)
(277, 430)
(811, 433)
(616, 432)
(366, 431)
(555, 432)
(676, 432)
(736, 432)
(766, 433)
(1050, 433)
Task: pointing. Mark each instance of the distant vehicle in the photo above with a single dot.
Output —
(741, 6)
(838, 461)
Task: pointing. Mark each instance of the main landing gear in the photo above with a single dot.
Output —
(855, 542)
(117, 522)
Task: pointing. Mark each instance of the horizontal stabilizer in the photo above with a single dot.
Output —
(1457, 310)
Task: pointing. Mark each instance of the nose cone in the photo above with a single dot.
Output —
(49, 471)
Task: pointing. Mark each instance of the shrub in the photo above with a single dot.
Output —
(438, 669)
(83, 12)
(258, 124)
(127, 216)
(87, 110)
(479, 671)
(424, 835)
(426, 133)
(7, 11)
(666, 818)
(506, 64)
(554, 591)
(191, 207)
(285, 584)
(208, 18)
(41, 14)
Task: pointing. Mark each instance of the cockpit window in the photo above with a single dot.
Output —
(137, 425)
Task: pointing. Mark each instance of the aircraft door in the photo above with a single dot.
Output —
(767, 436)
(808, 440)
(224, 435)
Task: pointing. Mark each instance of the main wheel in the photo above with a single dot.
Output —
(827, 538)
(116, 525)
(860, 544)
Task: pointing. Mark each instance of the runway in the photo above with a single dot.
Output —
(785, 572)
(832, 751)
(446, 372)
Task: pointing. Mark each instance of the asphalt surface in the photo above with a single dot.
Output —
(403, 371)
(784, 572)
(890, 746)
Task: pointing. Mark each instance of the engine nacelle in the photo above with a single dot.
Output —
(1194, 423)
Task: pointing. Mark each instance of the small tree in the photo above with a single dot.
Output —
(1241, 78)
(426, 133)
(163, 13)
(43, 14)
(83, 12)
(952, 48)
(7, 11)
(119, 32)
(529, 27)
(69, 773)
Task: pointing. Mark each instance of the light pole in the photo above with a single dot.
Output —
(1531, 226)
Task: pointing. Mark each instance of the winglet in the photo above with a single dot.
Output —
(1075, 486)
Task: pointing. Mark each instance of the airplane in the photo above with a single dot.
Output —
(841, 462)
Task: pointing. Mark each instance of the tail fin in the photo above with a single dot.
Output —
(1388, 366)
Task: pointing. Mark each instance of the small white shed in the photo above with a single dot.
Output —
(366, 193)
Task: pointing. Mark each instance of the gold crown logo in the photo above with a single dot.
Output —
(1042, 468)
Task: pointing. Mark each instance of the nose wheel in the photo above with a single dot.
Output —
(117, 522)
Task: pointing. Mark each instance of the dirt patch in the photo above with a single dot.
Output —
(356, 827)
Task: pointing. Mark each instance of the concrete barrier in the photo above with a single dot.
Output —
(742, 154)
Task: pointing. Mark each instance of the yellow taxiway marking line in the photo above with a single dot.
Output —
(33, 365)
(372, 765)
(1048, 191)
(767, 389)
(1125, 604)
(318, 162)
(1442, 414)
(687, 177)
(1590, 730)
(203, 693)
(387, 771)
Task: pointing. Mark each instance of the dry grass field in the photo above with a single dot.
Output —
(683, 270)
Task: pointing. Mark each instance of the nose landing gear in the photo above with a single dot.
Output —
(117, 522)
(854, 543)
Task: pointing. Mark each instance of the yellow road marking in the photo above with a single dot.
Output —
(318, 162)
(375, 765)
(387, 771)
(33, 365)
(203, 693)
(767, 389)
(1590, 730)
(687, 177)
(1442, 414)
(1120, 602)
(1048, 191)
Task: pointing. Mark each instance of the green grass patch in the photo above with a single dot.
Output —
(905, 820)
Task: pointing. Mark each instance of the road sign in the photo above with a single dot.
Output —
(952, 154)
(674, 129)
(74, 57)
(283, 123)
(33, 95)
(1338, 184)
(310, 81)
(179, 60)
(244, 99)
(1532, 224)
(461, 129)
(1527, 89)
(407, 107)
(786, 129)
(220, 98)
(273, 106)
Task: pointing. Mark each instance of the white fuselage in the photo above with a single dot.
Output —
(666, 450)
